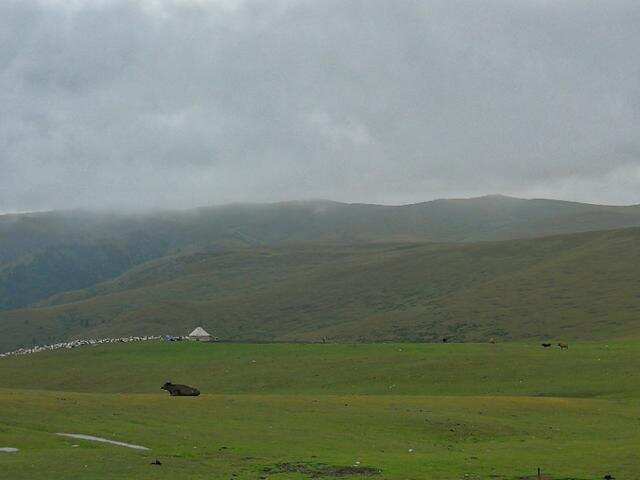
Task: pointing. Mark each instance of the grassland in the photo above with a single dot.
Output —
(413, 411)
(580, 286)
(43, 254)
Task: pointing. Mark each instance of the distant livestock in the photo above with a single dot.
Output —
(171, 338)
(180, 390)
(546, 345)
(563, 346)
(445, 340)
(79, 343)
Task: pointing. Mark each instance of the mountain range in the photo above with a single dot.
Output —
(469, 269)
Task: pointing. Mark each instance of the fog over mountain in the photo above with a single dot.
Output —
(180, 103)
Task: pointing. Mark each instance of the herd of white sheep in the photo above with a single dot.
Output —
(78, 343)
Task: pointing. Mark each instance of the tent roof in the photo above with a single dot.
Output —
(199, 332)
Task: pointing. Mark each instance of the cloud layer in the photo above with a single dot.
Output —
(191, 102)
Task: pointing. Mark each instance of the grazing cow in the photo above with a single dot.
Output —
(563, 346)
(492, 340)
(180, 390)
(546, 345)
(445, 340)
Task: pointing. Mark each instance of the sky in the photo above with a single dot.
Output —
(182, 103)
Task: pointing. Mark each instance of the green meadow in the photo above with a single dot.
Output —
(296, 411)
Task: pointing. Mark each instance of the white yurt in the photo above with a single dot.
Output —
(199, 335)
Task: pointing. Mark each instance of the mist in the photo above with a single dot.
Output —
(176, 104)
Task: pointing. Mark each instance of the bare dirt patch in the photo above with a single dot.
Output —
(548, 477)
(317, 470)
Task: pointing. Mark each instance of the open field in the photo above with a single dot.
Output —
(412, 411)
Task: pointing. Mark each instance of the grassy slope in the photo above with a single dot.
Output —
(575, 286)
(46, 253)
(414, 411)
(578, 286)
(464, 220)
(62, 268)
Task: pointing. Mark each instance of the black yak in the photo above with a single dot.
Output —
(180, 390)
(546, 345)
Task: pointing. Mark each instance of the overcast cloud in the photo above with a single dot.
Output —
(191, 102)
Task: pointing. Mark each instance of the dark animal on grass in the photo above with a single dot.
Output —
(180, 390)
(445, 340)
(608, 476)
(546, 345)
(563, 346)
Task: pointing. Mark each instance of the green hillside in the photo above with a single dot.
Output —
(43, 254)
(353, 411)
(580, 286)
(493, 217)
(66, 267)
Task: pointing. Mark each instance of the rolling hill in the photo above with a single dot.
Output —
(43, 254)
(578, 286)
